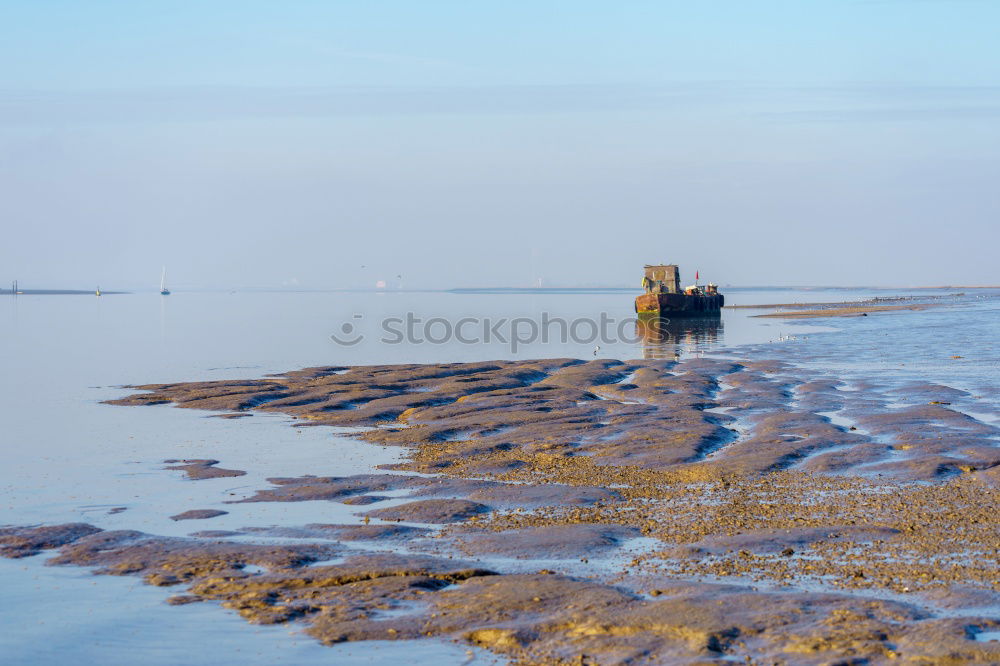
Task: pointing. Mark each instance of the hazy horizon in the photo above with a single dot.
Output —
(119, 289)
(317, 146)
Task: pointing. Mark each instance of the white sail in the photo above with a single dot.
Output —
(163, 279)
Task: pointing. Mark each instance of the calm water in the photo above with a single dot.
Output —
(69, 458)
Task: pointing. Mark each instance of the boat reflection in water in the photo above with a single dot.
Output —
(669, 338)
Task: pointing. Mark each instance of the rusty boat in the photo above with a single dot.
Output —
(664, 297)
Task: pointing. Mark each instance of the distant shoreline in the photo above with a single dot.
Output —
(58, 292)
(496, 290)
(571, 290)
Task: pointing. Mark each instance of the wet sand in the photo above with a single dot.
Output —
(563, 511)
(849, 311)
(895, 304)
(824, 304)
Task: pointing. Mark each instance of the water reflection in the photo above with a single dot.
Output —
(671, 338)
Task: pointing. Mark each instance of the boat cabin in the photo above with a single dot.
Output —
(662, 279)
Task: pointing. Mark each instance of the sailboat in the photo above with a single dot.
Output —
(163, 283)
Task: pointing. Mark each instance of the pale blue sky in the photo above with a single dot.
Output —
(466, 143)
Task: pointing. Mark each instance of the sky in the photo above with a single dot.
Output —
(324, 144)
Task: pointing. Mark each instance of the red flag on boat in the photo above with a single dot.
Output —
(696, 276)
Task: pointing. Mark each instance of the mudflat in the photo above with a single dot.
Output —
(848, 311)
(818, 309)
(562, 511)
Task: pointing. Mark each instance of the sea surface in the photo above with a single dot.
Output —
(67, 457)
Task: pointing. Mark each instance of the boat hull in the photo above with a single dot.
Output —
(678, 304)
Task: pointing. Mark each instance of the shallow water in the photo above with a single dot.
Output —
(62, 611)
(70, 458)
